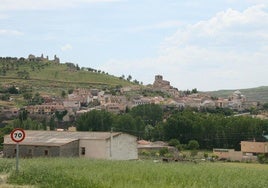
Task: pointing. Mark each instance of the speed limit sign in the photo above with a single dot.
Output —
(17, 135)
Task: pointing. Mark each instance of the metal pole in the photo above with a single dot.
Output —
(111, 142)
(17, 157)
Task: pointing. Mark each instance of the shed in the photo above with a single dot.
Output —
(96, 145)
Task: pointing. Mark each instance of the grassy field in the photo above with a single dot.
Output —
(77, 172)
(60, 76)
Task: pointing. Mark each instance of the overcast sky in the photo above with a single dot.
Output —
(203, 44)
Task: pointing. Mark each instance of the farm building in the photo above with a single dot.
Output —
(251, 149)
(95, 145)
(228, 154)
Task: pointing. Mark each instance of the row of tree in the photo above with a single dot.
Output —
(151, 122)
(146, 121)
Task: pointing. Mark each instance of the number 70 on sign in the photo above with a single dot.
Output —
(17, 135)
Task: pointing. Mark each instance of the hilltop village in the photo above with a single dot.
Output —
(81, 100)
(78, 100)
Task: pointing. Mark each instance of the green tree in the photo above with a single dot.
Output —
(5, 97)
(52, 124)
(70, 91)
(4, 131)
(60, 114)
(23, 115)
(194, 90)
(265, 106)
(63, 94)
(148, 132)
(37, 99)
(125, 123)
(193, 145)
(95, 120)
(28, 96)
(13, 90)
(150, 113)
(129, 78)
(174, 142)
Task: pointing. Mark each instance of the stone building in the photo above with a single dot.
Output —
(33, 58)
(251, 149)
(95, 145)
(164, 86)
(159, 83)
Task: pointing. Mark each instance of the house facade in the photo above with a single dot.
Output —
(95, 145)
(251, 149)
(228, 154)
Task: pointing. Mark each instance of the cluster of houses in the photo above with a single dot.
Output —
(84, 100)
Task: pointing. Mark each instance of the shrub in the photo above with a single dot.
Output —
(193, 145)
(193, 153)
(145, 153)
(179, 147)
(174, 142)
(163, 151)
(262, 158)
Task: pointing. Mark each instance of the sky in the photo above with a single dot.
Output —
(203, 44)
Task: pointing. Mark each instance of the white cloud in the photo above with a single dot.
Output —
(66, 47)
(228, 50)
(7, 32)
(44, 4)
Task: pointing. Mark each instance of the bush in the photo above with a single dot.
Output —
(163, 151)
(5, 97)
(145, 153)
(262, 158)
(179, 147)
(193, 153)
(193, 145)
(174, 142)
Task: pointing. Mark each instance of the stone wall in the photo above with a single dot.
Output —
(25, 151)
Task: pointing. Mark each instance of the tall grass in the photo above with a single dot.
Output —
(77, 172)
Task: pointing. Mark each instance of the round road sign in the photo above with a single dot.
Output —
(17, 135)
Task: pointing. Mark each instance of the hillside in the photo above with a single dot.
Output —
(259, 94)
(52, 78)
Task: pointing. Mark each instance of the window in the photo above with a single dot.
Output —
(46, 152)
(83, 150)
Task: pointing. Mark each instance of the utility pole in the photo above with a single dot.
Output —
(111, 141)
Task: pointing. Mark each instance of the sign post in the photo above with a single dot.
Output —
(17, 135)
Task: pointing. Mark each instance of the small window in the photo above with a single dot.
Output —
(30, 151)
(83, 150)
(46, 152)
(15, 151)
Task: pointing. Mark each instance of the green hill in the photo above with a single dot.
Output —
(52, 78)
(51, 73)
(259, 94)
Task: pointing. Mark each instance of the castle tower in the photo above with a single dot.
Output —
(158, 77)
